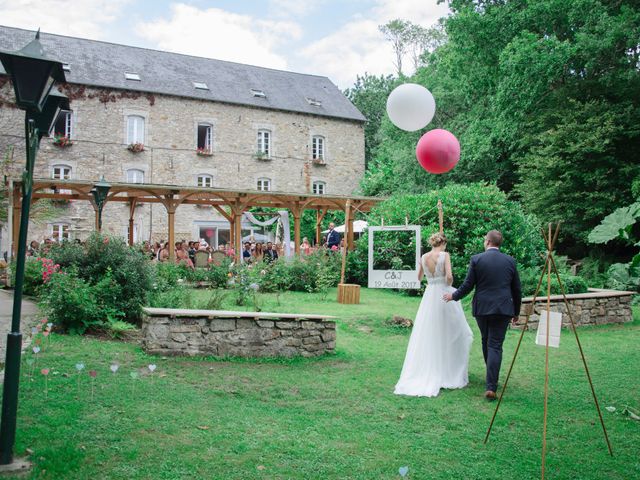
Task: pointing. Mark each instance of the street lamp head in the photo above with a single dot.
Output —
(32, 74)
(100, 191)
(56, 102)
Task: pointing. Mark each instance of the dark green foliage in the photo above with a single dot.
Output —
(76, 305)
(529, 278)
(544, 98)
(470, 211)
(100, 254)
(32, 275)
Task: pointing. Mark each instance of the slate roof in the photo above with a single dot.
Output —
(103, 64)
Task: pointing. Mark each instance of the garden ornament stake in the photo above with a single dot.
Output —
(32, 75)
(550, 264)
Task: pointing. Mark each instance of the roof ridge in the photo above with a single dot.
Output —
(167, 52)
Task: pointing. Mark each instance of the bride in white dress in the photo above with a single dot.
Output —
(438, 352)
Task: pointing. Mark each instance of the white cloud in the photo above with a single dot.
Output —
(293, 8)
(219, 34)
(86, 18)
(359, 47)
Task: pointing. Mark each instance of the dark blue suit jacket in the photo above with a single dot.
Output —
(333, 238)
(495, 277)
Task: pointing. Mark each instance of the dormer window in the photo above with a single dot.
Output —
(132, 76)
(200, 86)
(258, 93)
(66, 67)
(314, 102)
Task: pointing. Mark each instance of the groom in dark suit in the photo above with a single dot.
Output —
(495, 303)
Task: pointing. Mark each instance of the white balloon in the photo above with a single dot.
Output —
(411, 107)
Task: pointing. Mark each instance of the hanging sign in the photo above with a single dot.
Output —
(393, 263)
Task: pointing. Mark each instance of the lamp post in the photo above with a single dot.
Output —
(32, 75)
(100, 191)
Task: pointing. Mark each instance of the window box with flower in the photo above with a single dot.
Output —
(264, 156)
(204, 152)
(318, 161)
(62, 141)
(135, 147)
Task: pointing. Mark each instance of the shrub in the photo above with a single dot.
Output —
(529, 278)
(76, 305)
(176, 297)
(470, 211)
(101, 254)
(33, 278)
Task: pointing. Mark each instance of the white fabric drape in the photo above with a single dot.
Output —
(283, 216)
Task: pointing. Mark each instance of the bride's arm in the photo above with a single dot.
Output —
(420, 272)
(447, 269)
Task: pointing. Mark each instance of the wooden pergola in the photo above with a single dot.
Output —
(230, 204)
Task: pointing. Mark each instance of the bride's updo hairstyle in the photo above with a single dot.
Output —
(437, 239)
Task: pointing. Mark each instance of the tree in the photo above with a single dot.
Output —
(397, 32)
(369, 94)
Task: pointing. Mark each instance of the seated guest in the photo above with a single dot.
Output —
(246, 253)
(163, 256)
(32, 251)
(258, 253)
(270, 254)
(182, 256)
(305, 246)
(192, 252)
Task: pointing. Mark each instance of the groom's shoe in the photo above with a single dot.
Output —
(490, 395)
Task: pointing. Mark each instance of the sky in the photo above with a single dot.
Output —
(338, 39)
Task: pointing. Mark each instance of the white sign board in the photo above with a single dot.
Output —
(402, 279)
(554, 330)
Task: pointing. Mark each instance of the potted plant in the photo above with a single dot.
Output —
(136, 147)
(260, 155)
(318, 161)
(204, 152)
(61, 141)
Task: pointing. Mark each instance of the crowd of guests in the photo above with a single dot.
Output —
(185, 251)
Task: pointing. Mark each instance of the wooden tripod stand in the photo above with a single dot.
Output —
(550, 263)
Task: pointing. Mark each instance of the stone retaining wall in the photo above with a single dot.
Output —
(596, 307)
(243, 334)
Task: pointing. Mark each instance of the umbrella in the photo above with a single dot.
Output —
(359, 226)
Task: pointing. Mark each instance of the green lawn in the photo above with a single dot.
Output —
(333, 417)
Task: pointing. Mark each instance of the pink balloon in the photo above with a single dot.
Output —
(438, 151)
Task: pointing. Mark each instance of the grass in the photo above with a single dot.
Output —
(334, 417)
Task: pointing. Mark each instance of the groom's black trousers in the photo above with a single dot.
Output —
(493, 329)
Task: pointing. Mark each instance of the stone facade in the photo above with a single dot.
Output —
(170, 139)
(237, 334)
(596, 307)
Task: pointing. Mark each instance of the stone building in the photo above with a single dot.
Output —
(196, 122)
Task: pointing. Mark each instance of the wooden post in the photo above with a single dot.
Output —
(347, 293)
(349, 232)
(296, 230)
(172, 234)
(237, 224)
(132, 208)
(232, 233)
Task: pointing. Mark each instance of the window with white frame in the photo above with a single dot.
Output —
(264, 184)
(61, 172)
(264, 142)
(136, 238)
(319, 188)
(205, 137)
(135, 129)
(60, 231)
(317, 148)
(135, 176)
(62, 125)
(205, 180)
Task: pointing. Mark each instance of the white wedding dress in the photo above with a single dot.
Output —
(438, 352)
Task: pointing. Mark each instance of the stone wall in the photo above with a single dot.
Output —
(239, 334)
(99, 148)
(596, 307)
